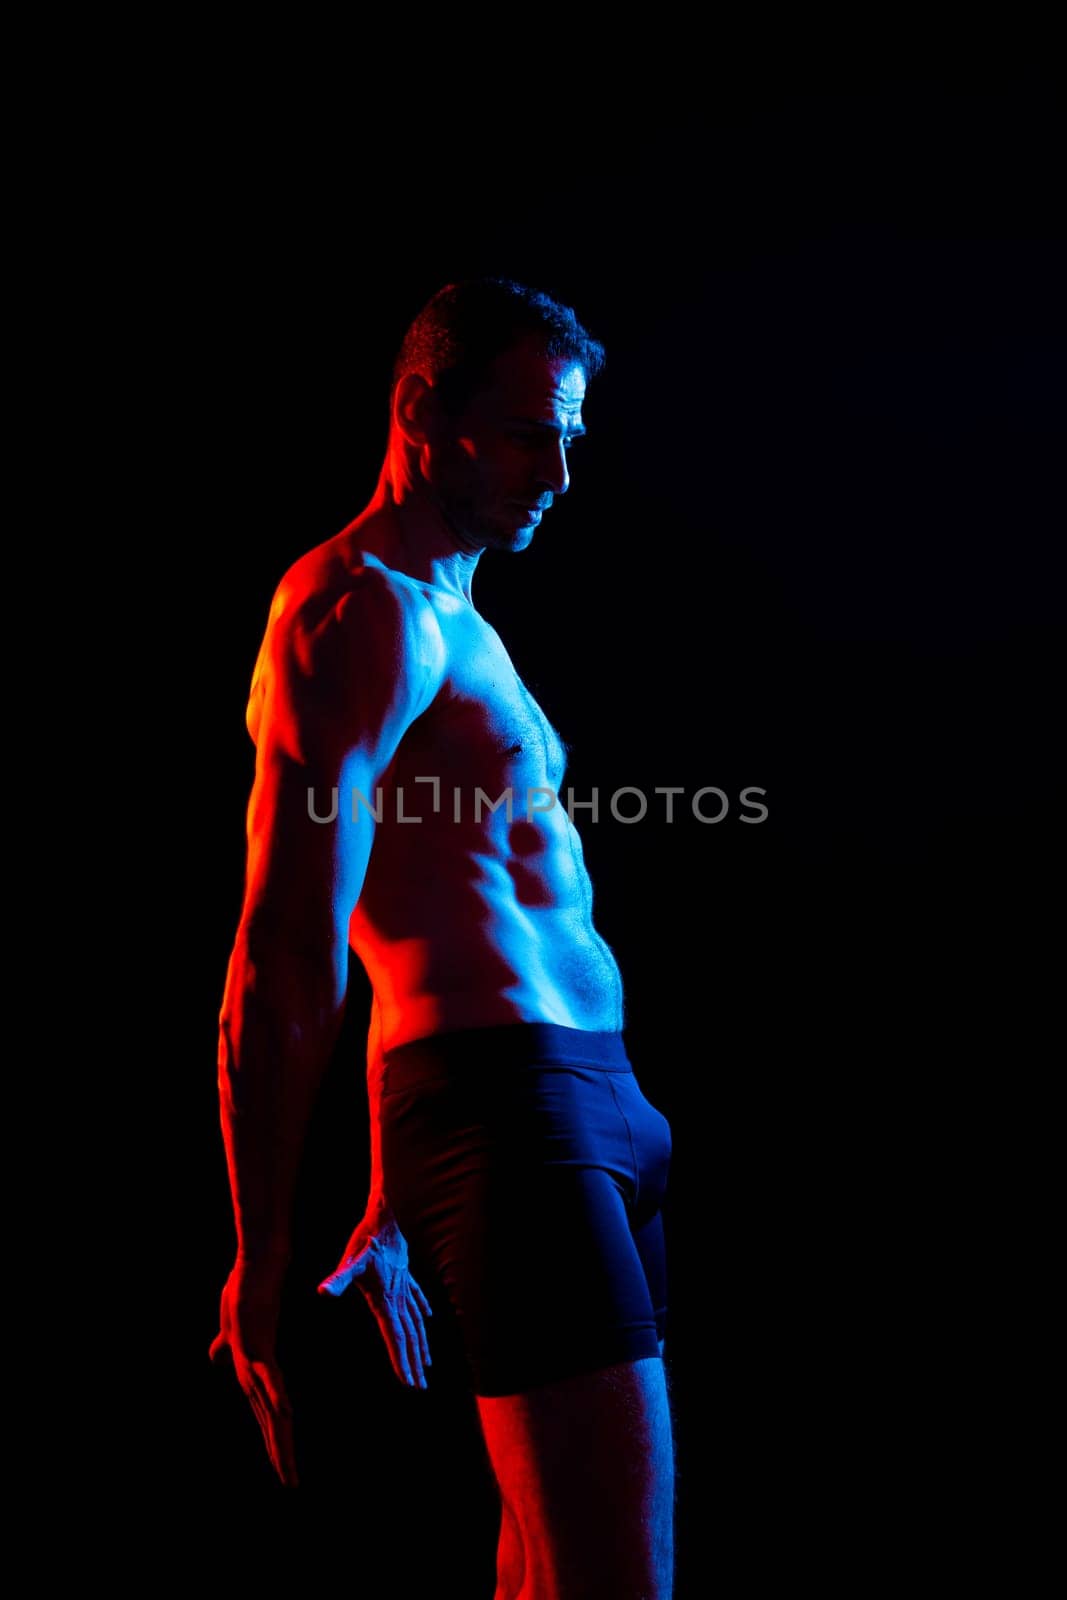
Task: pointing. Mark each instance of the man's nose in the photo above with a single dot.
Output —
(553, 469)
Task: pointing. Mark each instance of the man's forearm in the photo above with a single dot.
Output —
(378, 1201)
(279, 1022)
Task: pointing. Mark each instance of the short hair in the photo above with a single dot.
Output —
(463, 328)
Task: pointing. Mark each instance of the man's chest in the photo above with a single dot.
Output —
(485, 726)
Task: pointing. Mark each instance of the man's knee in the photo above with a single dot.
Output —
(587, 1466)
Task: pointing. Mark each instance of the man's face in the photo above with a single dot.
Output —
(496, 467)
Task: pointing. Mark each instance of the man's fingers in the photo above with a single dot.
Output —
(218, 1344)
(282, 1451)
(424, 1304)
(400, 1344)
(423, 1336)
(395, 1343)
(414, 1348)
(270, 1402)
(278, 1438)
(274, 1388)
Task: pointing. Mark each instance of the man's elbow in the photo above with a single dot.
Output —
(273, 954)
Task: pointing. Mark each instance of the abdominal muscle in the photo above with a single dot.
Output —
(474, 927)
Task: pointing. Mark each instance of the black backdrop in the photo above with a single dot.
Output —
(810, 545)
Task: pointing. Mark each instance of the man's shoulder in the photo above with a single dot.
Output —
(333, 625)
(328, 603)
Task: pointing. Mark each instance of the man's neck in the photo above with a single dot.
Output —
(406, 530)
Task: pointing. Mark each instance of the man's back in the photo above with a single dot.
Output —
(476, 907)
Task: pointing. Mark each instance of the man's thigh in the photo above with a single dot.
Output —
(585, 1465)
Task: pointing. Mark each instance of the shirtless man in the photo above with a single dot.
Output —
(510, 1142)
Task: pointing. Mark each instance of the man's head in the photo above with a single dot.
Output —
(487, 396)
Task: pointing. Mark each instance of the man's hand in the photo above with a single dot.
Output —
(376, 1257)
(248, 1325)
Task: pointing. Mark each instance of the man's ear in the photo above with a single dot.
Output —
(414, 408)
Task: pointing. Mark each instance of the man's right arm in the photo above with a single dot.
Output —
(338, 698)
(337, 693)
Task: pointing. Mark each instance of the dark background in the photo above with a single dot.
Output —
(811, 544)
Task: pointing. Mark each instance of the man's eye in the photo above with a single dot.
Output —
(535, 441)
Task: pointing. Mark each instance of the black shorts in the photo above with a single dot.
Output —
(527, 1171)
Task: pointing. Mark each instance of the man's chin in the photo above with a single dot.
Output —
(512, 539)
(504, 536)
(491, 536)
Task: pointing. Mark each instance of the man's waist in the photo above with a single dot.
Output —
(455, 1053)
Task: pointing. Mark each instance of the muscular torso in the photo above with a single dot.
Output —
(468, 920)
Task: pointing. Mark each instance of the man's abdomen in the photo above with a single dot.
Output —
(461, 927)
(492, 964)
